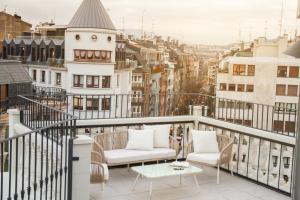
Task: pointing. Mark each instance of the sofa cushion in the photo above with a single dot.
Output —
(205, 158)
(205, 141)
(140, 140)
(124, 156)
(161, 135)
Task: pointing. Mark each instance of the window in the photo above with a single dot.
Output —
(92, 104)
(279, 106)
(58, 79)
(278, 126)
(106, 104)
(78, 81)
(290, 127)
(251, 70)
(105, 81)
(239, 70)
(250, 88)
(92, 55)
(248, 122)
(43, 76)
(291, 107)
(34, 75)
(223, 86)
(92, 81)
(294, 72)
(78, 103)
(281, 71)
(280, 90)
(231, 87)
(241, 88)
(292, 90)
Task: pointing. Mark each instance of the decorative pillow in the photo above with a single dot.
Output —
(205, 141)
(140, 140)
(161, 135)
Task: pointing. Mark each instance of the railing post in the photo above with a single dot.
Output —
(80, 172)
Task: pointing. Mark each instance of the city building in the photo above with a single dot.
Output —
(12, 26)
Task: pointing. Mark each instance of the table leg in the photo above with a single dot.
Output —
(150, 190)
(196, 182)
(135, 182)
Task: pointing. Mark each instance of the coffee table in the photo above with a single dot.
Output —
(163, 170)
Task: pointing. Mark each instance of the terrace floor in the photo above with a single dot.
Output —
(119, 187)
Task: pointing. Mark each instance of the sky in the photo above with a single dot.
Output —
(192, 21)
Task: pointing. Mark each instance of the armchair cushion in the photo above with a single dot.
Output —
(140, 140)
(204, 158)
(161, 135)
(205, 142)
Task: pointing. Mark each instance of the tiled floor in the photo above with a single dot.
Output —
(121, 181)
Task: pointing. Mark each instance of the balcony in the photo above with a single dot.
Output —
(122, 65)
(262, 159)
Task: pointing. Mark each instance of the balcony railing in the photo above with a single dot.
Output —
(120, 65)
(37, 164)
(258, 116)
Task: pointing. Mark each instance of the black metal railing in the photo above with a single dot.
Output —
(38, 162)
(280, 120)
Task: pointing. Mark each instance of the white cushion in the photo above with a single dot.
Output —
(124, 156)
(161, 135)
(140, 140)
(205, 158)
(205, 142)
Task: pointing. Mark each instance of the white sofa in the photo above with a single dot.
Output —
(114, 150)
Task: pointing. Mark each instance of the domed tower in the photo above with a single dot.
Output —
(90, 43)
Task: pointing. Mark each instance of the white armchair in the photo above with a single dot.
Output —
(210, 149)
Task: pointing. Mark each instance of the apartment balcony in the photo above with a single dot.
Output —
(122, 65)
(262, 158)
(51, 62)
(137, 86)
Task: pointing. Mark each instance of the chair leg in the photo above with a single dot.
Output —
(218, 175)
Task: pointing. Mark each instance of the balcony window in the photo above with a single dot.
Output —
(231, 87)
(78, 103)
(291, 107)
(78, 80)
(105, 104)
(250, 88)
(92, 104)
(251, 70)
(223, 86)
(43, 76)
(241, 88)
(292, 90)
(290, 127)
(294, 72)
(58, 79)
(278, 126)
(92, 81)
(279, 106)
(105, 81)
(282, 71)
(239, 70)
(34, 75)
(92, 55)
(280, 90)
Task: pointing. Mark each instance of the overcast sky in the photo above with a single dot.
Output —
(193, 21)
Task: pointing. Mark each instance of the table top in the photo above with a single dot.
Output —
(164, 170)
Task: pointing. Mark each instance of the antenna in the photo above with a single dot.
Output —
(281, 18)
(266, 28)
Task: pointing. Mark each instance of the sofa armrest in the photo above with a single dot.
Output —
(225, 155)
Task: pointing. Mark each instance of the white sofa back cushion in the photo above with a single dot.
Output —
(161, 135)
(205, 141)
(140, 140)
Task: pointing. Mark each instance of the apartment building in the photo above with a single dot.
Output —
(267, 78)
(12, 26)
